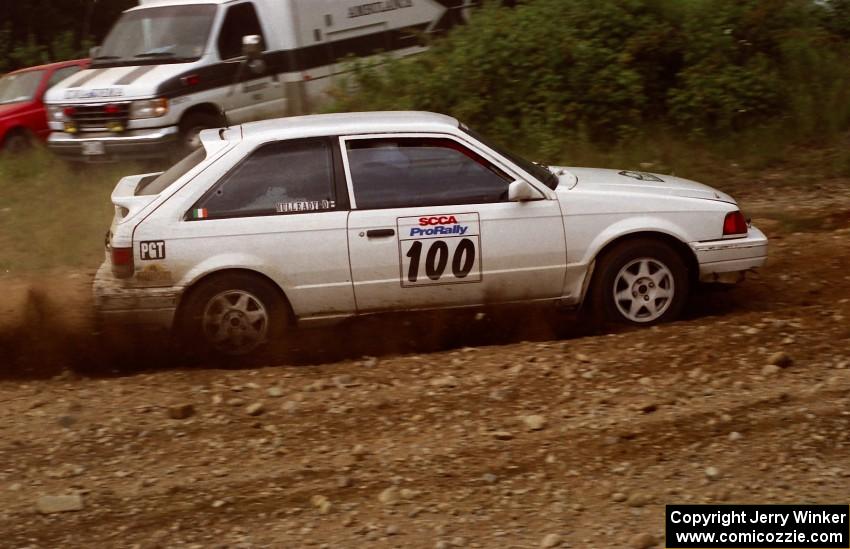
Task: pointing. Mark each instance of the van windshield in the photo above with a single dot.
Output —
(167, 34)
(18, 87)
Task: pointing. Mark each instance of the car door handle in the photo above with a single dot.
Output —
(380, 233)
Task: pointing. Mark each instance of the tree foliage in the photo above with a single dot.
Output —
(33, 32)
(603, 70)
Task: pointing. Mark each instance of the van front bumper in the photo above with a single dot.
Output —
(144, 144)
(728, 260)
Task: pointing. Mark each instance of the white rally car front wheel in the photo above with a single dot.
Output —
(639, 282)
(233, 314)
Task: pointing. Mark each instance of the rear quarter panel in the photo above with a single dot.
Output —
(305, 255)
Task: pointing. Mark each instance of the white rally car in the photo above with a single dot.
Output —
(317, 218)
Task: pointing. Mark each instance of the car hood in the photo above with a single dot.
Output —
(625, 181)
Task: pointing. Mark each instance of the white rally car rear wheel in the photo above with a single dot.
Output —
(234, 314)
(639, 282)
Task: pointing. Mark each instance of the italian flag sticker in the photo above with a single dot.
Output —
(200, 213)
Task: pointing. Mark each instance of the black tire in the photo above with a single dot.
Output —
(214, 308)
(191, 126)
(645, 300)
(17, 141)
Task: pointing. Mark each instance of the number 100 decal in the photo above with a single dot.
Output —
(439, 249)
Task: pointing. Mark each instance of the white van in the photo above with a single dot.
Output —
(170, 68)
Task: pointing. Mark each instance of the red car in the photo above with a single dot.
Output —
(22, 115)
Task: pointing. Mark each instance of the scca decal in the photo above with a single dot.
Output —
(437, 220)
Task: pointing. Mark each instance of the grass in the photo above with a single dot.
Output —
(739, 158)
(52, 214)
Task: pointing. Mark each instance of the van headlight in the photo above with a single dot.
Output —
(149, 108)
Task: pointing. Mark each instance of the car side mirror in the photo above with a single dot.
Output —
(522, 191)
(94, 51)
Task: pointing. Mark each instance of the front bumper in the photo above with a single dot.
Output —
(117, 304)
(727, 260)
(145, 144)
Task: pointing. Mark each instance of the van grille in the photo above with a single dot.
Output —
(96, 117)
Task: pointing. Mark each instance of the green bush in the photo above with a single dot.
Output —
(602, 71)
(547, 67)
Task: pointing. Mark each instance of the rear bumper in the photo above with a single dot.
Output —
(132, 145)
(118, 305)
(727, 260)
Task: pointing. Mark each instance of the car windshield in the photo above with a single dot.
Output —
(540, 171)
(159, 35)
(18, 87)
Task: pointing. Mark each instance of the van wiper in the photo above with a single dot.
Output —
(106, 57)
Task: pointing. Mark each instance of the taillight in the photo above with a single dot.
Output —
(112, 109)
(122, 262)
(69, 112)
(735, 224)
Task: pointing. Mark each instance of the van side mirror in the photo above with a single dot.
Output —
(252, 46)
(522, 191)
(94, 51)
(252, 50)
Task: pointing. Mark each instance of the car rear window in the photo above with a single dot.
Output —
(172, 174)
(282, 177)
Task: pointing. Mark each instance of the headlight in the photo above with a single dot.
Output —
(149, 108)
(55, 113)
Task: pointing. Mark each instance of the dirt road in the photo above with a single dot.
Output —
(453, 432)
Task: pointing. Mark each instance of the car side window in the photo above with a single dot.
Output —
(241, 20)
(284, 177)
(421, 171)
(61, 74)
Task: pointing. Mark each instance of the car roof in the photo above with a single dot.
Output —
(348, 123)
(57, 65)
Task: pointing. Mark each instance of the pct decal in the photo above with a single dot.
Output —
(152, 249)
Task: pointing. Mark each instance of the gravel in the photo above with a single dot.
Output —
(49, 505)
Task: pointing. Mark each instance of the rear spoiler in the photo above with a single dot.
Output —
(215, 139)
(124, 195)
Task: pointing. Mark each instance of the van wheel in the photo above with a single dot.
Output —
(233, 314)
(191, 127)
(639, 282)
